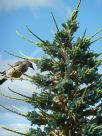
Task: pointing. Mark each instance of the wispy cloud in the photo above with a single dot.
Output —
(7, 5)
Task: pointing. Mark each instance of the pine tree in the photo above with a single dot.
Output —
(69, 102)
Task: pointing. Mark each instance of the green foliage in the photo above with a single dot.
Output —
(69, 102)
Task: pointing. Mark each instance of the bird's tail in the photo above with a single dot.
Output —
(2, 81)
(3, 73)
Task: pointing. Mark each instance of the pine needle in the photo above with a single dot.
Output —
(96, 40)
(19, 109)
(25, 38)
(98, 127)
(36, 35)
(1, 94)
(75, 12)
(12, 110)
(100, 30)
(14, 131)
(84, 34)
(15, 55)
(55, 22)
(19, 93)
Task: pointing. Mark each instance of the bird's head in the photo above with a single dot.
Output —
(31, 65)
(28, 64)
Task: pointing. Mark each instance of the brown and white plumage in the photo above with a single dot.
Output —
(16, 70)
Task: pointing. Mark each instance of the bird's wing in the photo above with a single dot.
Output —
(17, 64)
(3, 73)
(13, 66)
(12, 71)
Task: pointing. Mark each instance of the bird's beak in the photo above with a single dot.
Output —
(32, 67)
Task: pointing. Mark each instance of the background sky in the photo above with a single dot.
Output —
(15, 15)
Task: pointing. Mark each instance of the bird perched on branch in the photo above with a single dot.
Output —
(16, 70)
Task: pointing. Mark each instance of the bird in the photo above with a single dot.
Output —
(16, 70)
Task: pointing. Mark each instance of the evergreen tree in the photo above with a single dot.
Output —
(69, 102)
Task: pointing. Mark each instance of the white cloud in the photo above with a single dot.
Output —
(7, 5)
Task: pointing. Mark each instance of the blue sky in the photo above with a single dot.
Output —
(16, 14)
